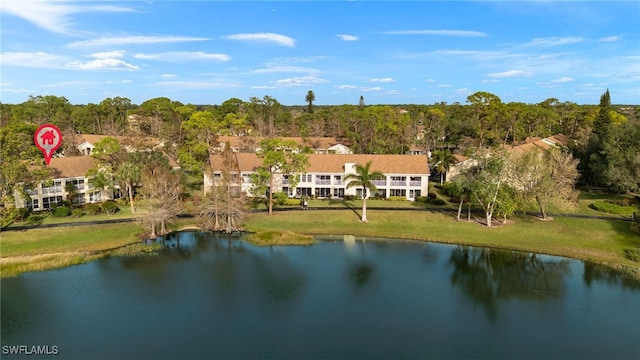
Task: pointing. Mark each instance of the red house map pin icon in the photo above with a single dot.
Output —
(48, 138)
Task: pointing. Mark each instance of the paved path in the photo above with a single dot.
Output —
(319, 208)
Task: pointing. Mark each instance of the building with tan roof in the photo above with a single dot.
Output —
(251, 144)
(65, 170)
(405, 175)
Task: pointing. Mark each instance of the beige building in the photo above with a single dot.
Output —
(405, 175)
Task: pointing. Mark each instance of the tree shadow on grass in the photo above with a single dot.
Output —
(348, 204)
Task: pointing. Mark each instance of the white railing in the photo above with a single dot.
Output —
(415, 183)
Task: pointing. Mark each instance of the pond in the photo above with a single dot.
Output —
(208, 296)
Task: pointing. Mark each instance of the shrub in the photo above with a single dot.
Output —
(422, 199)
(280, 198)
(397, 198)
(635, 223)
(110, 207)
(436, 201)
(61, 211)
(15, 214)
(451, 188)
(92, 209)
(432, 195)
(77, 212)
(349, 197)
(35, 219)
(611, 208)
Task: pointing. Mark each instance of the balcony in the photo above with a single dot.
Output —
(415, 183)
(380, 182)
(323, 182)
(398, 183)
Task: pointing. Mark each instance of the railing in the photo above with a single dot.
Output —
(323, 182)
(338, 182)
(415, 183)
(398, 183)
(380, 182)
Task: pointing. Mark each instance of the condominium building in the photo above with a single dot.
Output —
(405, 175)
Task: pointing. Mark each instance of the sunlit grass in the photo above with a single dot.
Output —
(598, 240)
(279, 238)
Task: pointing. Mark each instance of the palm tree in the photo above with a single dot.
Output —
(363, 178)
(310, 98)
(444, 159)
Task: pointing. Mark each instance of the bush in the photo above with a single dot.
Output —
(35, 219)
(110, 207)
(77, 212)
(432, 195)
(280, 198)
(92, 209)
(635, 223)
(611, 208)
(349, 197)
(61, 211)
(422, 199)
(437, 201)
(397, 198)
(451, 188)
(15, 214)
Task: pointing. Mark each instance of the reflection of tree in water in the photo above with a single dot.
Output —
(281, 281)
(595, 272)
(487, 276)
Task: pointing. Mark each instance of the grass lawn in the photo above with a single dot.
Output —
(598, 240)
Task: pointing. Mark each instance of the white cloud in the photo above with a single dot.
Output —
(376, 88)
(263, 87)
(285, 68)
(108, 54)
(53, 16)
(609, 39)
(509, 74)
(168, 76)
(383, 80)
(129, 40)
(102, 64)
(347, 37)
(460, 33)
(179, 56)
(563, 80)
(33, 60)
(300, 81)
(444, 85)
(344, 87)
(264, 37)
(197, 84)
(554, 41)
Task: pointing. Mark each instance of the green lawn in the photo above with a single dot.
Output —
(599, 240)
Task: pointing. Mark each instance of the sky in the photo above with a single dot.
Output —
(389, 52)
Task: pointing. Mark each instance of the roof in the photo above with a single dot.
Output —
(254, 141)
(123, 140)
(334, 163)
(70, 167)
(547, 143)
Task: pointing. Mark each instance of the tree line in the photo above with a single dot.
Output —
(605, 139)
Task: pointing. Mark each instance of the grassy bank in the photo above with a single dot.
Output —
(597, 240)
(51, 248)
(279, 238)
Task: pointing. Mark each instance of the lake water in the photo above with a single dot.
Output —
(211, 297)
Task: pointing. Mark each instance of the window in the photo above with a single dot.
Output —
(79, 199)
(323, 192)
(303, 192)
(306, 178)
(399, 180)
(338, 192)
(323, 179)
(414, 194)
(415, 181)
(78, 184)
(397, 192)
(49, 202)
(56, 188)
(95, 196)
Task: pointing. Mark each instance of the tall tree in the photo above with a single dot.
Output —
(278, 156)
(487, 178)
(443, 159)
(161, 190)
(225, 205)
(310, 98)
(363, 178)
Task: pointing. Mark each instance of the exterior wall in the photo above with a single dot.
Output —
(326, 185)
(43, 197)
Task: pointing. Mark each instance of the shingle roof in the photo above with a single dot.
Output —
(70, 167)
(123, 140)
(253, 141)
(334, 163)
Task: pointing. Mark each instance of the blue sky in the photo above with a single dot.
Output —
(419, 52)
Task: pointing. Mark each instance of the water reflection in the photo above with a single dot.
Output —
(489, 276)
